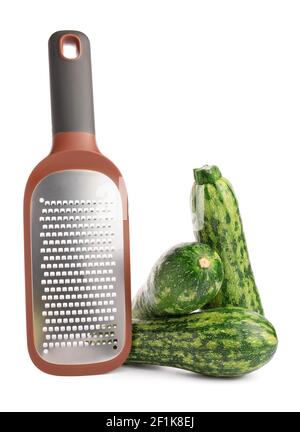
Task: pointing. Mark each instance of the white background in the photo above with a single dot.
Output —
(177, 84)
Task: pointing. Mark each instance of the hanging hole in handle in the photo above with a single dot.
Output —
(69, 47)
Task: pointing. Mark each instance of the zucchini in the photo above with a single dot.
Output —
(184, 279)
(225, 342)
(217, 222)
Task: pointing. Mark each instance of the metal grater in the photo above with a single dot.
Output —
(78, 271)
(76, 248)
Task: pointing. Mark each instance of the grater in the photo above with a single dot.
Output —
(76, 232)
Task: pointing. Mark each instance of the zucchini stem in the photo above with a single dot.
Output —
(204, 262)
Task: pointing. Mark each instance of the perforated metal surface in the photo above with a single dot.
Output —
(77, 268)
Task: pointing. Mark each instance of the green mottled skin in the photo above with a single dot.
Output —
(177, 284)
(223, 231)
(223, 342)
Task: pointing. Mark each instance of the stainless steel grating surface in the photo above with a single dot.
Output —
(78, 268)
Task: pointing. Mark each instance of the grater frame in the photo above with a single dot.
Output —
(62, 334)
(75, 151)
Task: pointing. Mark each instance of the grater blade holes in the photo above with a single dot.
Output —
(83, 243)
(78, 267)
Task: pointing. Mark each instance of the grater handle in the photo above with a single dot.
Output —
(71, 82)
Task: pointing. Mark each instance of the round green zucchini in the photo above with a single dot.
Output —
(184, 279)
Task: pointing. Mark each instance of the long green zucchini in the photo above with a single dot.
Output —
(217, 222)
(224, 342)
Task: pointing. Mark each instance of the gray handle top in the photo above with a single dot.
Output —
(71, 82)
